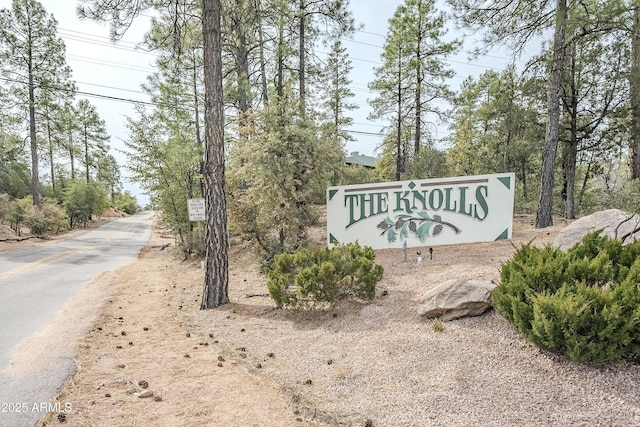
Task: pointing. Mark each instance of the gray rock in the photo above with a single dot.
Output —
(144, 393)
(614, 223)
(457, 298)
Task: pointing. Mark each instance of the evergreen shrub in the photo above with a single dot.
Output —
(125, 203)
(584, 303)
(81, 201)
(317, 279)
(50, 218)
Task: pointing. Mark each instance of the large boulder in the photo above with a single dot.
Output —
(457, 298)
(614, 223)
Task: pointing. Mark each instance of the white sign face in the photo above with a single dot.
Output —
(430, 212)
(195, 207)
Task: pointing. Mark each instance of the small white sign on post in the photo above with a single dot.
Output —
(195, 208)
(430, 212)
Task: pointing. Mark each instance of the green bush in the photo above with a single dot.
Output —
(6, 207)
(37, 222)
(356, 174)
(317, 279)
(584, 303)
(55, 215)
(50, 218)
(81, 201)
(125, 203)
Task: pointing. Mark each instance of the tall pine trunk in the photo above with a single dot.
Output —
(196, 109)
(216, 281)
(302, 71)
(35, 178)
(86, 155)
(570, 157)
(51, 163)
(569, 171)
(399, 130)
(263, 67)
(634, 85)
(241, 56)
(418, 99)
(416, 137)
(544, 215)
(72, 157)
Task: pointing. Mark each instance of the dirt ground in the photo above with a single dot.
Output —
(146, 339)
(371, 364)
(151, 336)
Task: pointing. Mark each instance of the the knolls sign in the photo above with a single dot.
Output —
(429, 212)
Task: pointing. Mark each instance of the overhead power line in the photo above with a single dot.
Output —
(104, 41)
(95, 37)
(112, 64)
(134, 47)
(116, 98)
(137, 101)
(361, 132)
(111, 87)
(85, 93)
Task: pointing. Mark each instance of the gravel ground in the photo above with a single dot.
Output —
(377, 364)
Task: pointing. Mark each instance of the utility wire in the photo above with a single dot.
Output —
(111, 87)
(91, 39)
(112, 64)
(104, 41)
(85, 93)
(134, 102)
(116, 98)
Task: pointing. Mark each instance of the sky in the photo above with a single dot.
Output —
(110, 75)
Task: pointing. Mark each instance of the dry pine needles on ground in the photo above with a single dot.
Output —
(359, 364)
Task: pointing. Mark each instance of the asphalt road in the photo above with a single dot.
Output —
(35, 284)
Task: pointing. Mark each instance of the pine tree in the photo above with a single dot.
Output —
(120, 15)
(216, 286)
(273, 174)
(14, 166)
(336, 93)
(336, 20)
(634, 96)
(414, 73)
(240, 25)
(514, 23)
(32, 58)
(594, 90)
(496, 129)
(68, 129)
(93, 134)
(52, 115)
(108, 173)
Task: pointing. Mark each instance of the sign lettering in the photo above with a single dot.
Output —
(195, 209)
(422, 212)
